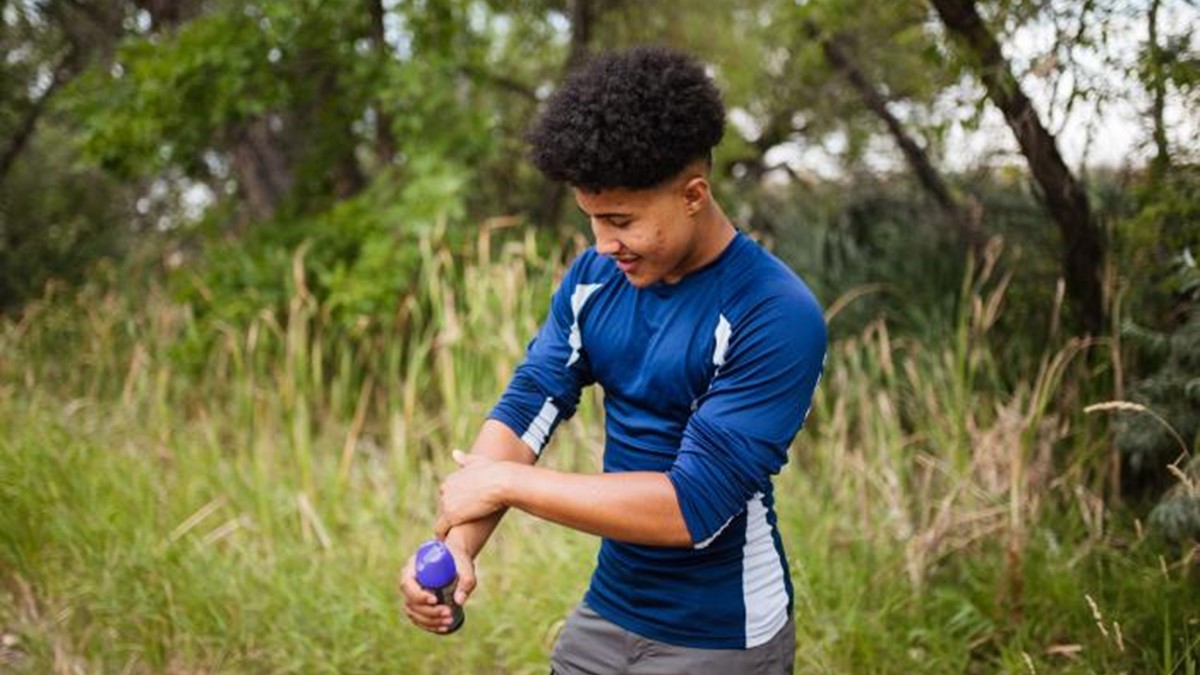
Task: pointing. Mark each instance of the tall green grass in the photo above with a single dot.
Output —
(943, 513)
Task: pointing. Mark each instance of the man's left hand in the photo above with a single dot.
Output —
(472, 492)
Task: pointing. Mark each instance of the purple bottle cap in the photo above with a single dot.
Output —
(435, 565)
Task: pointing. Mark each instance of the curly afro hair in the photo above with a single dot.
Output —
(629, 119)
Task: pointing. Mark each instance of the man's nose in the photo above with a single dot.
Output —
(606, 244)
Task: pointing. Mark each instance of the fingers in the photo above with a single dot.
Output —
(420, 605)
(460, 457)
(414, 595)
(437, 619)
(466, 584)
(442, 527)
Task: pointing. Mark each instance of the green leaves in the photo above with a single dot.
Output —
(166, 99)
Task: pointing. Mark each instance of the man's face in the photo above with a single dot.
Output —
(649, 233)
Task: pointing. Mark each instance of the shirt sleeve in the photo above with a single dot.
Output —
(545, 388)
(739, 435)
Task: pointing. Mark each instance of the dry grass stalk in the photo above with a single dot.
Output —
(1130, 406)
(311, 523)
(195, 519)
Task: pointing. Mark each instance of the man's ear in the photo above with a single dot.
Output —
(696, 193)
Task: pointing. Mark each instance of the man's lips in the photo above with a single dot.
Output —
(627, 264)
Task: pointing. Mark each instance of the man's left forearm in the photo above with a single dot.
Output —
(639, 507)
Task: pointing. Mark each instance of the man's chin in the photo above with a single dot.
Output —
(638, 280)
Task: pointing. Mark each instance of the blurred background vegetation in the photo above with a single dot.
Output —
(262, 264)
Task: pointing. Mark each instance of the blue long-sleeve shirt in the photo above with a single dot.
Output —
(706, 380)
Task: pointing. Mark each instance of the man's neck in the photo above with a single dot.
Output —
(715, 232)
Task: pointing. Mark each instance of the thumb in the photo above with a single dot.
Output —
(466, 584)
(462, 458)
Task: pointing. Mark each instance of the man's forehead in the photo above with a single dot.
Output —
(613, 200)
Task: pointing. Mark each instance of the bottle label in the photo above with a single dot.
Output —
(445, 596)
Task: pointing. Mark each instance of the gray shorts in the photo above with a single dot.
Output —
(592, 645)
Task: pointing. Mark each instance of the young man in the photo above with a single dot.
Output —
(708, 350)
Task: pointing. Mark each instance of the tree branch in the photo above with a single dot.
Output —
(965, 220)
(21, 137)
(503, 82)
(1083, 248)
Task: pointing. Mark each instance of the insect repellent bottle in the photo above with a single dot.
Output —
(437, 574)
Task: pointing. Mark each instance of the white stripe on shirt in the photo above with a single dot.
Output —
(578, 299)
(539, 429)
(722, 336)
(763, 589)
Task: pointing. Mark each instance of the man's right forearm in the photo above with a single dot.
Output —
(497, 441)
(470, 537)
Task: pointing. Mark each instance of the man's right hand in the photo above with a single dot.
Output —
(421, 606)
(495, 441)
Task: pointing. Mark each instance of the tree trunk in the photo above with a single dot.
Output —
(167, 14)
(385, 141)
(1083, 248)
(346, 177)
(92, 29)
(583, 16)
(964, 218)
(262, 170)
(1158, 88)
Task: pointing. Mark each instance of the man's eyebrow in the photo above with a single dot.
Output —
(606, 215)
